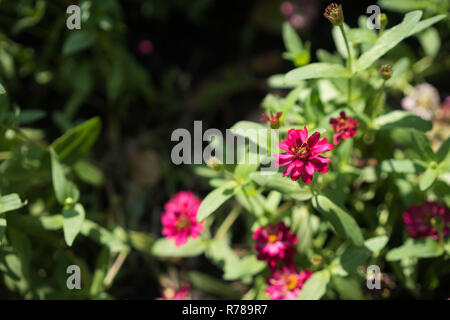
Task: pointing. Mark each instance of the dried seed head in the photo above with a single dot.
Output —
(386, 71)
(214, 163)
(335, 14)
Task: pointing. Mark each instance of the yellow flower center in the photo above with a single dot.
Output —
(292, 282)
(273, 238)
(183, 223)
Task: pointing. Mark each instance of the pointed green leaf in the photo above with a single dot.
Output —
(399, 166)
(317, 70)
(316, 286)
(424, 248)
(389, 39)
(78, 41)
(341, 220)
(402, 119)
(10, 202)
(72, 223)
(167, 248)
(291, 40)
(215, 199)
(275, 181)
(64, 188)
(428, 178)
(71, 146)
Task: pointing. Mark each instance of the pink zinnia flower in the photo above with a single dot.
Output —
(344, 127)
(173, 293)
(286, 283)
(302, 157)
(274, 243)
(179, 219)
(274, 119)
(418, 220)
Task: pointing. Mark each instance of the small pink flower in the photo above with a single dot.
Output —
(344, 127)
(274, 243)
(145, 47)
(418, 220)
(302, 157)
(287, 8)
(179, 219)
(286, 283)
(274, 119)
(173, 293)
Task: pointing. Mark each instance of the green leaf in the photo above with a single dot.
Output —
(403, 5)
(422, 25)
(377, 243)
(342, 221)
(255, 132)
(234, 268)
(102, 236)
(291, 40)
(443, 153)
(354, 257)
(72, 223)
(71, 146)
(421, 145)
(430, 41)
(399, 166)
(428, 178)
(316, 286)
(89, 173)
(317, 70)
(166, 248)
(141, 241)
(11, 202)
(275, 181)
(215, 199)
(424, 248)
(212, 285)
(388, 40)
(64, 188)
(402, 119)
(2, 228)
(77, 41)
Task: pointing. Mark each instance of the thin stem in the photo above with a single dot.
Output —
(227, 223)
(349, 63)
(378, 100)
(115, 268)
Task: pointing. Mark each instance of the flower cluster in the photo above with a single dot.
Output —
(274, 243)
(286, 282)
(179, 219)
(427, 220)
(423, 101)
(344, 127)
(302, 157)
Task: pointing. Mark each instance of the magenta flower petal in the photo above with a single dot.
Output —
(274, 243)
(300, 151)
(179, 220)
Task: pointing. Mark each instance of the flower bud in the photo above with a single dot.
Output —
(386, 71)
(214, 163)
(335, 14)
(383, 20)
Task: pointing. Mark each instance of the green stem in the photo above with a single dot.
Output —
(349, 63)
(378, 100)
(227, 223)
